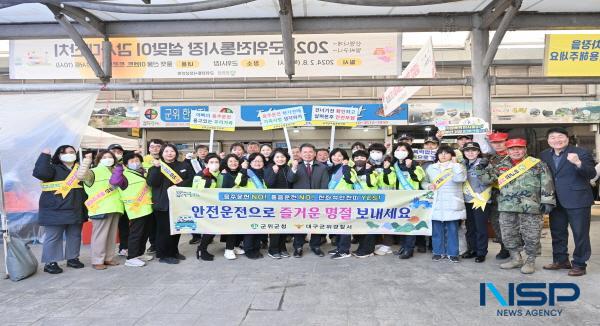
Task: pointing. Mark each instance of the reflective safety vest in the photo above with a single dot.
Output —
(102, 197)
(137, 197)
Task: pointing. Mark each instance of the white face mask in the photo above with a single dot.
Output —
(133, 166)
(400, 154)
(108, 162)
(376, 156)
(213, 167)
(68, 158)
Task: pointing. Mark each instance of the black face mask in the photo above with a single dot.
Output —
(360, 164)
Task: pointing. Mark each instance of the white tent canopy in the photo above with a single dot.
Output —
(94, 138)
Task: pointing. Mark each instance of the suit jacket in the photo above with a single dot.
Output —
(572, 184)
(301, 180)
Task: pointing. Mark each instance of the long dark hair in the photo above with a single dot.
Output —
(341, 151)
(61, 150)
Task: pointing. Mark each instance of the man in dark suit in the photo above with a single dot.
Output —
(308, 174)
(572, 168)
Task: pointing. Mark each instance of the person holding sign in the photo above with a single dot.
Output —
(342, 178)
(526, 192)
(252, 176)
(199, 164)
(446, 176)
(402, 174)
(231, 166)
(308, 174)
(61, 207)
(276, 178)
(209, 178)
(104, 206)
(366, 243)
(137, 200)
(478, 195)
(165, 173)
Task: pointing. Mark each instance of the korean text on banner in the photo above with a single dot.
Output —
(427, 155)
(323, 115)
(262, 211)
(210, 120)
(231, 56)
(469, 126)
(572, 55)
(277, 119)
(421, 66)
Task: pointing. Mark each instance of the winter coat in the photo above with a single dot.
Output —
(54, 209)
(160, 183)
(449, 204)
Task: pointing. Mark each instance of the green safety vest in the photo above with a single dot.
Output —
(111, 203)
(136, 185)
(200, 183)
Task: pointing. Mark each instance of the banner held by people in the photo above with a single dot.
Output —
(236, 211)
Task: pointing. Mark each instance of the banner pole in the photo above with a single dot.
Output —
(287, 138)
(332, 138)
(211, 140)
(4, 228)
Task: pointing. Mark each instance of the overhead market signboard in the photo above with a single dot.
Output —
(178, 116)
(572, 55)
(367, 54)
(561, 112)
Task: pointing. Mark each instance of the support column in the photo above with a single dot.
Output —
(480, 76)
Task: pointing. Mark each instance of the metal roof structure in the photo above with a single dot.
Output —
(78, 19)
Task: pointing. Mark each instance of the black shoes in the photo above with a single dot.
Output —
(254, 255)
(469, 255)
(75, 263)
(318, 252)
(169, 260)
(421, 249)
(453, 259)
(437, 257)
(406, 254)
(52, 268)
(503, 254)
(479, 259)
(297, 253)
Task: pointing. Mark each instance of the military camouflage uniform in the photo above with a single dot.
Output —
(519, 204)
(494, 214)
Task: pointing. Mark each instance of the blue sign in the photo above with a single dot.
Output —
(369, 114)
(179, 113)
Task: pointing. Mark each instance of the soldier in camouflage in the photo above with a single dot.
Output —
(521, 202)
(497, 141)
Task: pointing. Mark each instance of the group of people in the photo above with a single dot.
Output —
(474, 184)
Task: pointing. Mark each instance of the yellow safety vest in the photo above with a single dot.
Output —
(137, 197)
(102, 197)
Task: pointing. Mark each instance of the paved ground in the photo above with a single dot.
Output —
(307, 291)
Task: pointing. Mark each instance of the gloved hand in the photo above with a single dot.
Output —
(546, 208)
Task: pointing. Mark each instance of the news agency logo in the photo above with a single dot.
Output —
(521, 295)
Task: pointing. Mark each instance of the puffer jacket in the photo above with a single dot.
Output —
(449, 204)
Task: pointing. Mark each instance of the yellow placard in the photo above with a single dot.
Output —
(572, 55)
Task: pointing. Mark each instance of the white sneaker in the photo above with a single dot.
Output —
(229, 254)
(383, 250)
(123, 252)
(239, 251)
(145, 257)
(134, 262)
